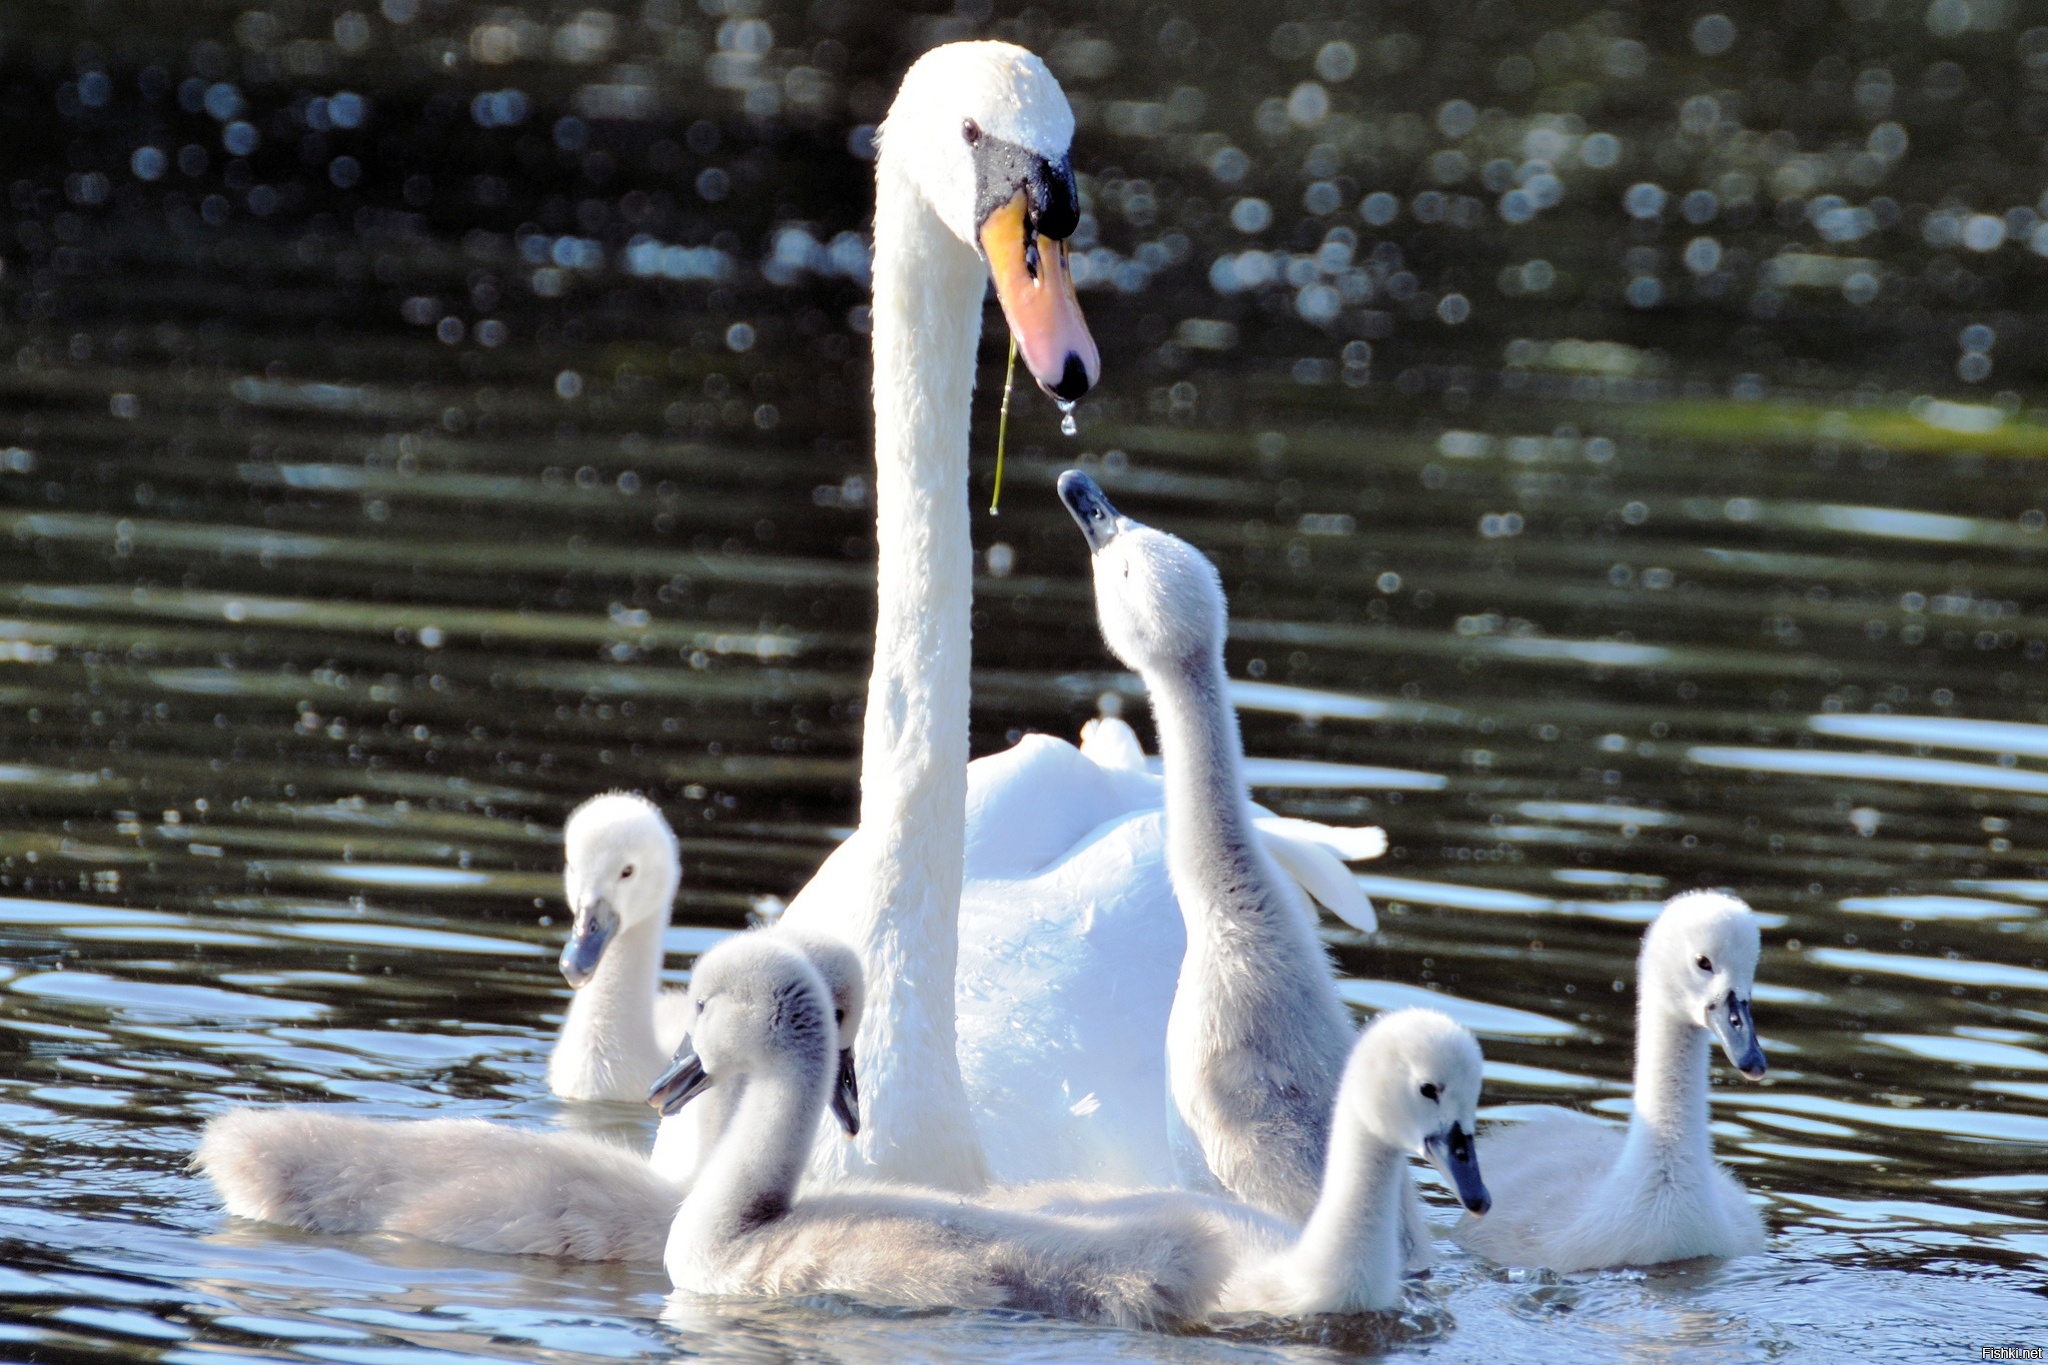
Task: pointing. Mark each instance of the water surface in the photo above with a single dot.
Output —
(491, 430)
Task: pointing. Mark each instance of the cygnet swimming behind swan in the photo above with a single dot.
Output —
(1257, 1040)
(763, 1022)
(620, 872)
(1573, 1194)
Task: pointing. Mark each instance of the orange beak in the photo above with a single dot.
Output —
(1037, 294)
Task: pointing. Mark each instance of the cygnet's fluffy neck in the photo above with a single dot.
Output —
(1257, 1037)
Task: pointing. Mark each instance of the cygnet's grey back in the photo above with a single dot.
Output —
(765, 1021)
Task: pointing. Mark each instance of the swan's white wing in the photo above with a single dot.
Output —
(1311, 863)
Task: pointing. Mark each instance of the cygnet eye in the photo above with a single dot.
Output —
(626, 873)
(1429, 1092)
(838, 1016)
(1703, 962)
(970, 131)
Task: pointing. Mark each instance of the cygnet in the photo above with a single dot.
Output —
(1570, 1193)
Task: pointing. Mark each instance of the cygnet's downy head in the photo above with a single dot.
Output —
(1413, 1083)
(986, 135)
(839, 966)
(1158, 599)
(620, 868)
(1699, 961)
(758, 1007)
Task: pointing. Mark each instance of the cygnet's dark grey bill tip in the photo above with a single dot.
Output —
(1455, 1154)
(846, 1095)
(684, 1081)
(594, 927)
(1734, 1028)
(1099, 521)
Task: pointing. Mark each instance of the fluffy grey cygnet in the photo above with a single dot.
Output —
(493, 1187)
(762, 1022)
(1139, 1259)
(1258, 1038)
(1571, 1193)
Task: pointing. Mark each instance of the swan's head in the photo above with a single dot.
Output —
(1158, 598)
(757, 1008)
(620, 868)
(984, 133)
(839, 966)
(1699, 960)
(1413, 1083)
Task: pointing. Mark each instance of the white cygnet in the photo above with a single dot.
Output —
(621, 870)
(1257, 1039)
(1570, 1193)
(1411, 1088)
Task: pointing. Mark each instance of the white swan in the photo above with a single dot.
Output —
(1257, 1040)
(762, 1022)
(1016, 1027)
(1154, 1258)
(1570, 1192)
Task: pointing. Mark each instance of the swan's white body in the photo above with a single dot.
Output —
(1015, 1027)
(1142, 1260)
(1573, 1193)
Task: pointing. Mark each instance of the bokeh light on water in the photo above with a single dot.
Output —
(1618, 431)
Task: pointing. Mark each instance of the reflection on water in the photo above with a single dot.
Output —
(1615, 433)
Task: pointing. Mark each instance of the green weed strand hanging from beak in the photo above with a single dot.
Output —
(1003, 427)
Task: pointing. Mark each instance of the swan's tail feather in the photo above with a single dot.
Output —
(462, 1182)
(1112, 743)
(1311, 853)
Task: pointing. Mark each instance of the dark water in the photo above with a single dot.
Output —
(475, 418)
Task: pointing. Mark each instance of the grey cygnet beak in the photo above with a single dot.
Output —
(1098, 520)
(684, 1081)
(1735, 1026)
(596, 922)
(1454, 1154)
(846, 1095)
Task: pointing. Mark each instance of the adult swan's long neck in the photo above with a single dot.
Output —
(927, 328)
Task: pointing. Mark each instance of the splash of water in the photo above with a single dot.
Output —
(1067, 424)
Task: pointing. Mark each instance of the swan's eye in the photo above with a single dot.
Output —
(626, 873)
(1429, 1092)
(971, 131)
(1703, 962)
